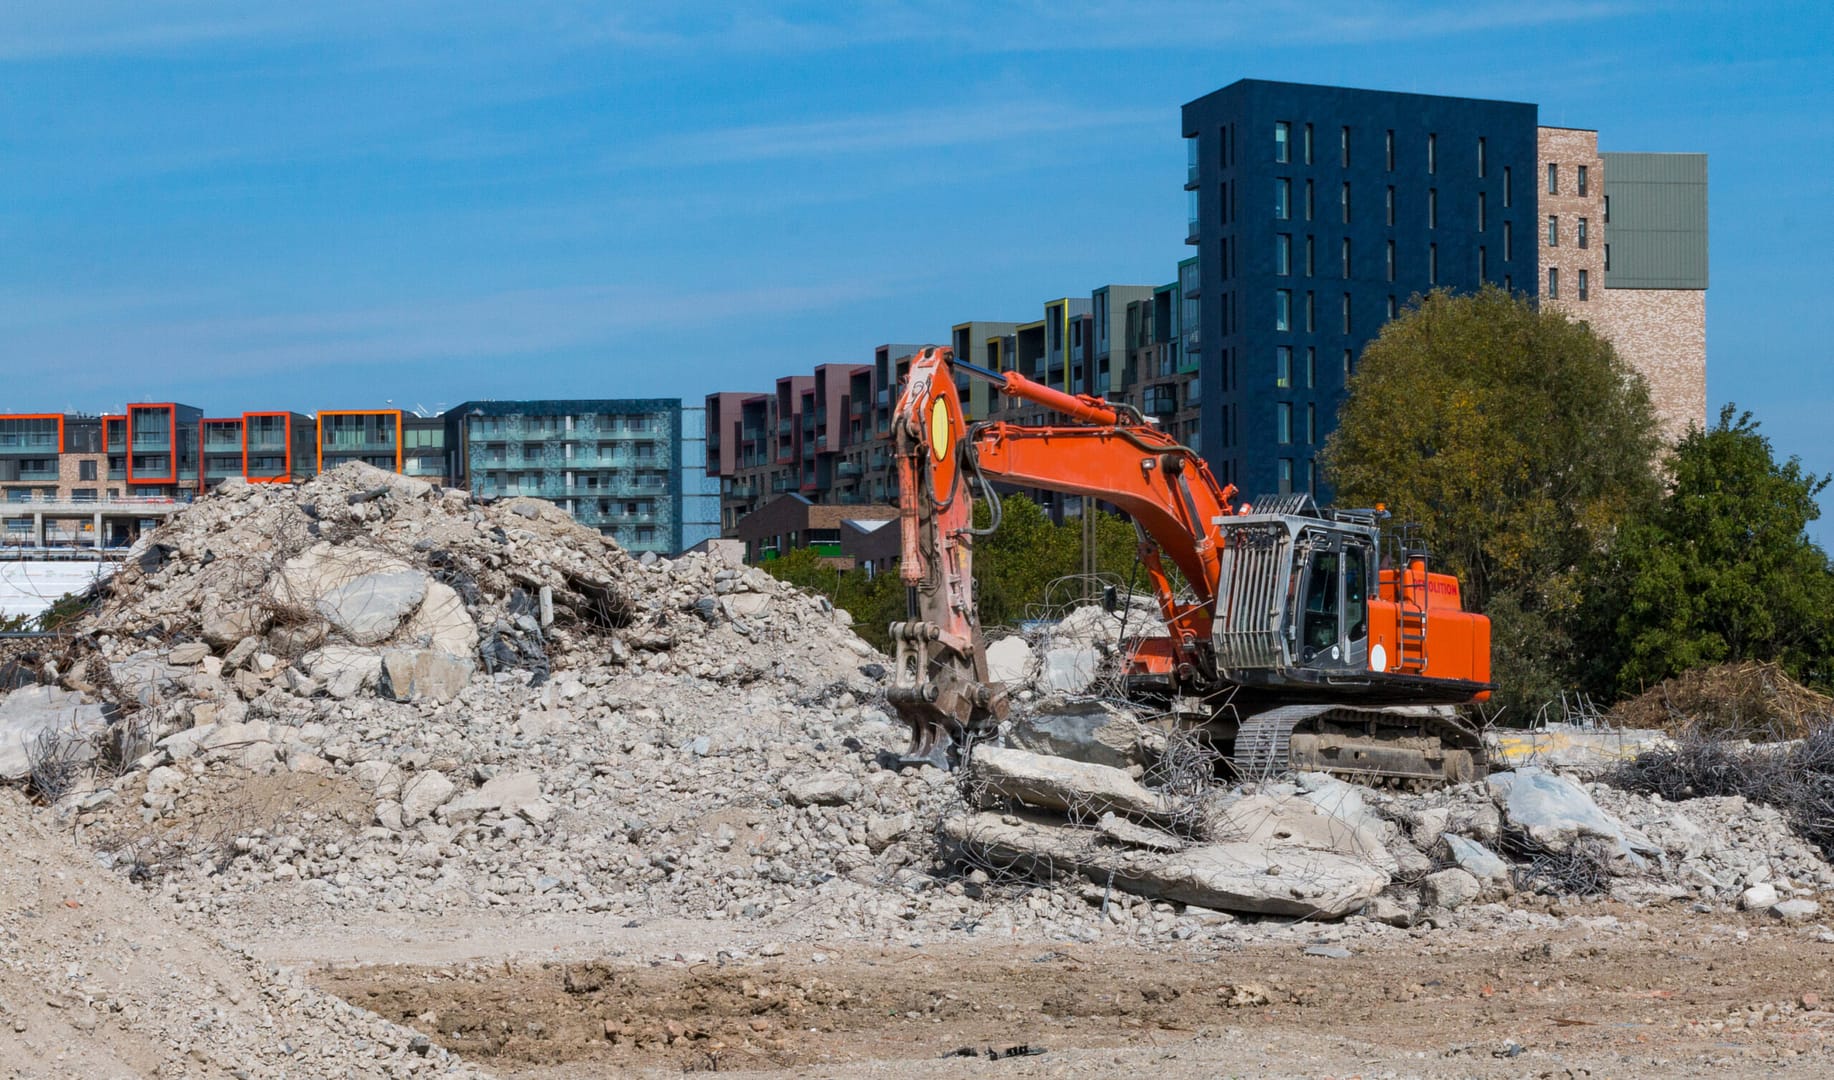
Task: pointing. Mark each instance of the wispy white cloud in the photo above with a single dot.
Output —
(114, 27)
(908, 130)
(505, 324)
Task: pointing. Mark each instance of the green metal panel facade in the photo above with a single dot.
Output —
(1656, 227)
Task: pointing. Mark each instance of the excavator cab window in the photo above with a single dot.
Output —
(1319, 628)
(1356, 591)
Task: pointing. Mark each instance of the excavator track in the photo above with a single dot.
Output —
(1407, 747)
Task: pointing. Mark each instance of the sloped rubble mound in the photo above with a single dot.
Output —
(368, 695)
(1755, 701)
(95, 981)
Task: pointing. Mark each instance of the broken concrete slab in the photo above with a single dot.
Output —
(424, 794)
(344, 670)
(1060, 784)
(33, 713)
(1451, 889)
(1228, 877)
(508, 793)
(1294, 821)
(1069, 670)
(190, 652)
(1476, 859)
(1571, 748)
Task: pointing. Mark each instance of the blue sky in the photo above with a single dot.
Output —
(334, 204)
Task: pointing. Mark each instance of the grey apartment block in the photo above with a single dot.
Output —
(615, 465)
(1656, 220)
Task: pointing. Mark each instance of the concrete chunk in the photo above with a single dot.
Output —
(1061, 784)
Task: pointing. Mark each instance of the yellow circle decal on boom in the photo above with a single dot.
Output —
(939, 428)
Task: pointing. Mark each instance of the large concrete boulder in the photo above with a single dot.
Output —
(508, 794)
(369, 609)
(344, 670)
(1061, 784)
(423, 675)
(34, 713)
(441, 623)
(1090, 731)
(425, 793)
(1554, 813)
(1069, 670)
(1012, 662)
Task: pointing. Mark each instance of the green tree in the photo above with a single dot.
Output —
(1519, 442)
(1013, 568)
(1721, 570)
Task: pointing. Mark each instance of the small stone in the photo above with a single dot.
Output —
(1759, 897)
(1330, 952)
(771, 948)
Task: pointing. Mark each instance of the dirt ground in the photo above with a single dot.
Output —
(1663, 994)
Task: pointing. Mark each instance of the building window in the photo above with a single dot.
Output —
(1346, 257)
(1553, 230)
(1607, 209)
(1483, 264)
(1346, 313)
(1283, 309)
(1308, 200)
(1393, 308)
(1283, 199)
(1508, 242)
(1553, 179)
(1582, 232)
(1307, 145)
(1283, 422)
(1432, 154)
(1311, 424)
(1480, 157)
(1432, 264)
(1390, 257)
(1346, 201)
(1584, 291)
(1282, 133)
(1483, 212)
(1607, 258)
(86, 470)
(1310, 322)
(1388, 149)
(1580, 178)
(1344, 145)
(1505, 187)
(1308, 257)
(1390, 206)
(1509, 283)
(1283, 254)
(1553, 283)
(1432, 208)
(1311, 367)
(1283, 366)
(1286, 476)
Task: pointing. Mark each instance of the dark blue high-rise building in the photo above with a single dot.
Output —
(1317, 213)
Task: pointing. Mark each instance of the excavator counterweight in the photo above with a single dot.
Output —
(1303, 647)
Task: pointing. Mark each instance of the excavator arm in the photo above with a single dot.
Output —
(941, 686)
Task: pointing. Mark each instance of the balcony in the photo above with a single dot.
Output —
(751, 434)
(28, 441)
(1192, 226)
(849, 470)
(222, 444)
(1190, 177)
(859, 407)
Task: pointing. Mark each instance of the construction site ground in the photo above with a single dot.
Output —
(1657, 994)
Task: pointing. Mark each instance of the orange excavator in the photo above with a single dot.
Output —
(1307, 639)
